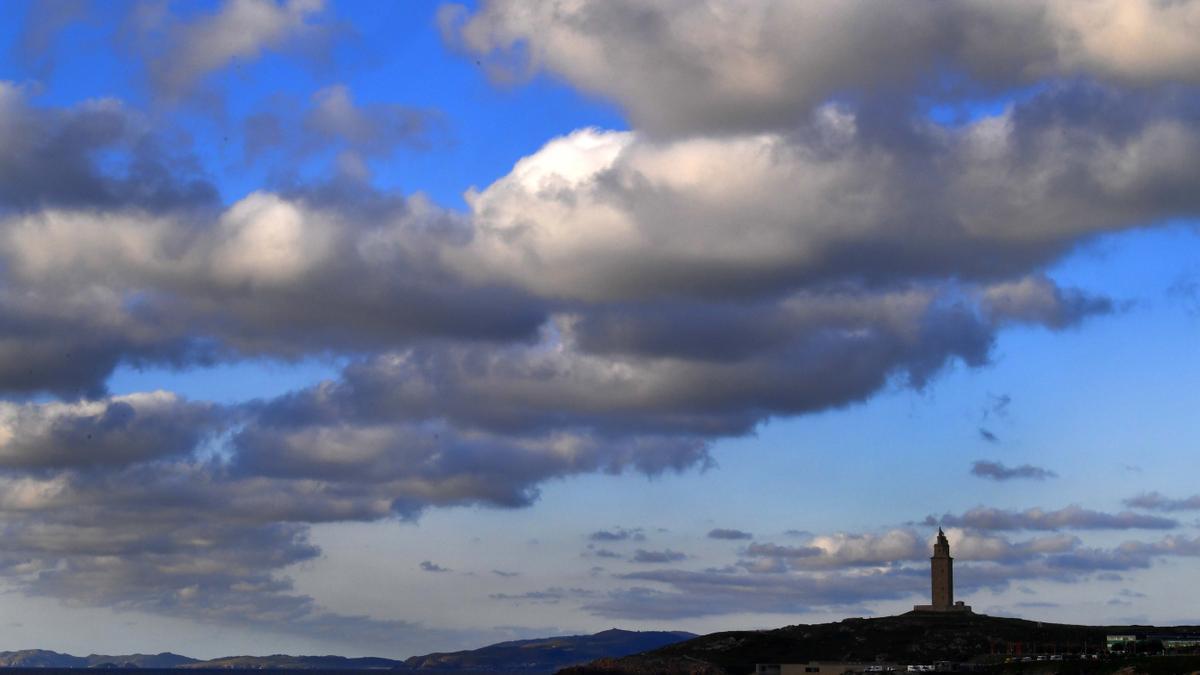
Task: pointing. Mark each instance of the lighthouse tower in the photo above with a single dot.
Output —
(941, 574)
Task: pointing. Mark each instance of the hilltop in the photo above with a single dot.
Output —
(907, 638)
(548, 654)
(44, 658)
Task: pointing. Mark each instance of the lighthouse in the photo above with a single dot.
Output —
(941, 576)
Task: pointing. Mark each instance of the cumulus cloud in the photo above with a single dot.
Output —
(730, 534)
(999, 472)
(427, 566)
(1155, 501)
(616, 216)
(1069, 518)
(683, 67)
(847, 550)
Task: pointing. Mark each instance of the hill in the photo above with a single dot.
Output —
(287, 662)
(43, 658)
(543, 655)
(546, 655)
(907, 638)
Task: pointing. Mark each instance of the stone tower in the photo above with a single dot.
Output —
(942, 572)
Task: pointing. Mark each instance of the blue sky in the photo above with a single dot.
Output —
(387, 328)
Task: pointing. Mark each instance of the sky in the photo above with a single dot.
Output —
(384, 328)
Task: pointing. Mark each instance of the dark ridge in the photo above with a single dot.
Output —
(912, 638)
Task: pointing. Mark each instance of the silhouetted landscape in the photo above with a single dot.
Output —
(541, 655)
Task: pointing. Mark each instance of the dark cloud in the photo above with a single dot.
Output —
(1069, 518)
(427, 566)
(618, 534)
(51, 157)
(988, 436)
(725, 533)
(657, 557)
(122, 431)
(101, 258)
(776, 551)
(1155, 501)
(332, 122)
(999, 472)
(550, 596)
(997, 406)
(506, 574)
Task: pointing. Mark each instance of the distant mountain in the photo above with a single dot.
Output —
(163, 660)
(907, 638)
(546, 655)
(286, 662)
(529, 657)
(42, 658)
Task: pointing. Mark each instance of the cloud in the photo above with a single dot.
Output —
(696, 594)
(1186, 291)
(1071, 518)
(43, 24)
(844, 550)
(506, 574)
(988, 436)
(181, 52)
(1038, 300)
(1154, 501)
(725, 533)
(333, 121)
(999, 472)
(656, 557)
(861, 568)
(120, 431)
(722, 67)
(180, 538)
(787, 189)
(427, 566)
(51, 157)
(618, 534)
(550, 596)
